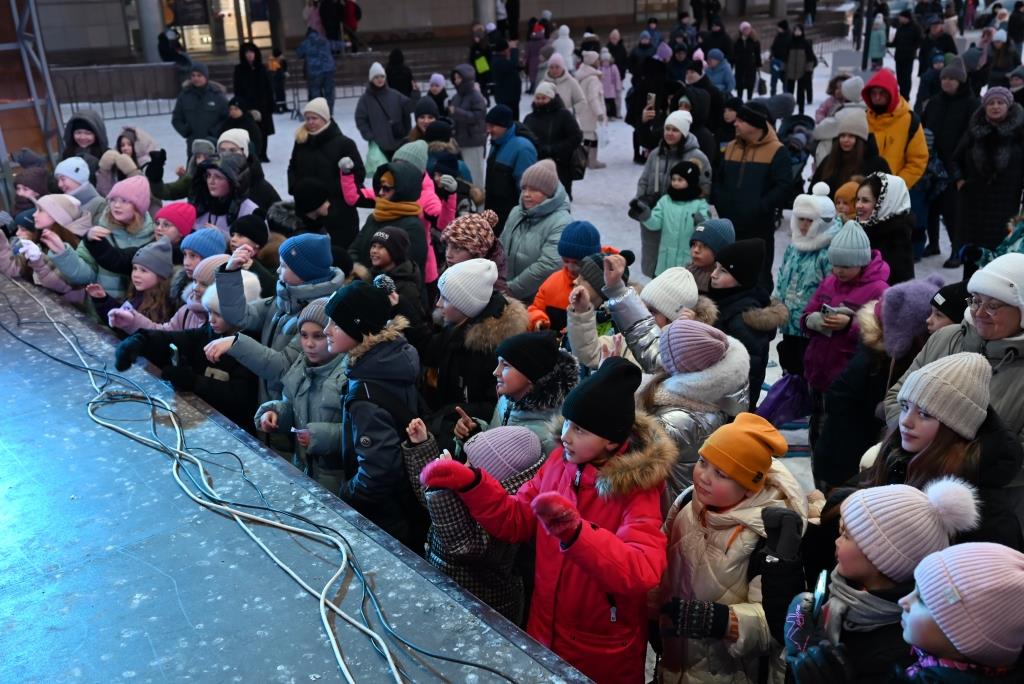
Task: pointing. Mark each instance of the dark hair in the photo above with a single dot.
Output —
(948, 454)
(842, 164)
(834, 83)
(874, 182)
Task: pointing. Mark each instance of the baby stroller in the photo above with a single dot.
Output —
(796, 133)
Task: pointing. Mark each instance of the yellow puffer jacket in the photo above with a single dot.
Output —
(906, 159)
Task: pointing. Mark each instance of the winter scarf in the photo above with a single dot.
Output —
(894, 199)
(991, 154)
(856, 610)
(925, 661)
(386, 210)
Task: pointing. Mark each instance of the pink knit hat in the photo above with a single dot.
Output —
(504, 451)
(134, 189)
(206, 270)
(691, 346)
(975, 593)
(556, 59)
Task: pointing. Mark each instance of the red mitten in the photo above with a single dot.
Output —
(558, 516)
(445, 473)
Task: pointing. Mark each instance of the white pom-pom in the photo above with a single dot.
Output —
(956, 504)
(821, 188)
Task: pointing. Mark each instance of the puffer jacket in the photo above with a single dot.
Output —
(189, 315)
(531, 240)
(752, 181)
(591, 334)
(908, 158)
(676, 222)
(470, 110)
(274, 319)
(804, 265)
(44, 273)
(508, 158)
(590, 110)
(690, 406)
(721, 77)
(551, 301)
(557, 135)
(1006, 357)
(589, 600)
(377, 109)
(459, 547)
(654, 179)
(829, 351)
(408, 190)
(200, 112)
(708, 557)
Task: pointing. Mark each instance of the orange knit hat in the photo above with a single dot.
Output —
(743, 450)
(847, 192)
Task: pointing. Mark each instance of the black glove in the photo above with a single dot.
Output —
(639, 210)
(970, 253)
(801, 627)
(128, 350)
(822, 664)
(783, 529)
(697, 619)
(155, 167)
(180, 376)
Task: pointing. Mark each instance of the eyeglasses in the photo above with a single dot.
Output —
(991, 307)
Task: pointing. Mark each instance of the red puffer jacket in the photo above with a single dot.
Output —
(589, 600)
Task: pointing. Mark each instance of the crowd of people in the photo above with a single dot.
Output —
(479, 373)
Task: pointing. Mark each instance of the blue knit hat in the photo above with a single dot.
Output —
(715, 233)
(308, 256)
(715, 53)
(205, 242)
(850, 246)
(579, 239)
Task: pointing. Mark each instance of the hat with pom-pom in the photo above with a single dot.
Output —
(850, 246)
(905, 311)
(504, 451)
(592, 268)
(472, 232)
(673, 290)
(896, 526)
(954, 390)
(690, 346)
(822, 196)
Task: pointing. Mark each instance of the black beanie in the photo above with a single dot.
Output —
(696, 66)
(534, 354)
(604, 403)
(393, 239)
(439, 130)
(950, 301)
(309, 195)
(690, 172)
(743, 260)
(359, 309)
(755, 114)
(252, 227)
(592, 269)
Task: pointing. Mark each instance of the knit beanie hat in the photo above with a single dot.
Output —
(203, 146)
(395, 240)
(135, 190)
(250, 290)
(181, 214)
(556, 59)
(603, 403)
(715, 53)
(359, 309)
(33, 177)
(953, 389)
(239, 137)
(413, 152)
(425, 106)
(688, 171)
(850, 246)
(905, 311)
(755, 114)
(315, 312)
(950, 301)
(309, 195)
(663, 53)
(155, 257)
(376, 70)
(851, 89)
(997, 93)
(308, 256)
(25, 220)
(318, 106)
(847, 192)
(472, 232)
(438, 131)
(1017, 73)
(590, 57)
(547, 89)
(500, 115)
(681, 121)
(437, 80)
(199, 67)
(743, 450)
(205, 242)
(672, 291)
(592, 269)
(896, 526)
(205, 271)
(579, 239)
(743, 260)
(975, 593)
(504, 451)
(74, 168)
(695, 65)
(955, 70)
(252, 226)
(691, 346)
(534, 354)
(715, 233)
(854, 121)
(63, 209)
(542, 176)
(1001, 279)
(468, 285)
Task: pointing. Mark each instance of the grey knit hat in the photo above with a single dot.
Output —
(542, 176)
(315, 312)
(155, 257)
(953, 389)
(850, 246)
(504, 451)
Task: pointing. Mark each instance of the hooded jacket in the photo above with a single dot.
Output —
(557, 134)
(721, 76)
(470, 110)
(890, 227)
(398, 73)
(948, 117)
(508, 158)
(805, 264)
(751, 182)
(251, 84)
(830, 350)
(200, 112)
(126, 166)
(531, 240)
(589, 600)
(408, 188)
(93, 120)
(907, 156)
(222, 212)
(676, 222)
(654, 179)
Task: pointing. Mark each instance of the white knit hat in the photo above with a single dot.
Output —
(896, 526)
(468, 285)
(547, 89)
(671, 292)
(853, 120)
(74, 168)
(1002, 279)
(953, 389)
(250, 288)
(376, 70)
(680, 120)
(318, 106)
(239, 137)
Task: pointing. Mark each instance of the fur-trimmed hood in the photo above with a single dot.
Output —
(704, 390)
(440, 146)
(871, 333)
(705, 311)
(392, 331)
(549, 392)
(503, 318)
(767, 318)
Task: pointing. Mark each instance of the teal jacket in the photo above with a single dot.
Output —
(804, 265)
(676, 221)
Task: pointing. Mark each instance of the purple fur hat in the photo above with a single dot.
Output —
(905, 311)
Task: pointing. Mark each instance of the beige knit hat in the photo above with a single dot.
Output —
(318, 106)
(206, 270)
(953, 389)
(542, 176)
(468, 285)
(672, 291)
(898, 525)
(63, 209)
(315, 312)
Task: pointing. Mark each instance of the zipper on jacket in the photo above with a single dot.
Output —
(614, 608)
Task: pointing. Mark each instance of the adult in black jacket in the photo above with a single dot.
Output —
(935, 40)
(556, 131)
(399, 75)
(618, 51)
(716, 37)
(239, 116)
(251, 84)
(780, 53)
(508, 87)
(648, 81)
(319, 146)
(905, 43)
(694, 100)
(695, 78)
(746, 60)
(1015, 25)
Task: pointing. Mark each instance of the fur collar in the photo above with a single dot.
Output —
(391, 331)
(549, 392)
(485, 333)
(767, 318)
(438, 146)
(818, 237)
(705, 311)
(709, 385)
(993, 142)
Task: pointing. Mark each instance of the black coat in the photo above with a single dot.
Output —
(746, 59)
(507, 85)
(876, 653)
(251, 84)
(906, 41)
(557, 135)
(709, 40)
(399, 75)
(620, 56)
(780, 46)
(943, 43)
(892, 237)
(947, 116)
(731, 309)
(412, 302)
(316, 157)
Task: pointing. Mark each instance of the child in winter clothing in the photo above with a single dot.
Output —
(884, 533)
(311, 390)
(471, 236)
(459, 546)
(708, 239)
(579, 239)
(252, 232)
(846, 201)
(149, 291)
(593, 510)
(611, 82)
(877, 42)
(703, 386)
(676, 215)
(947, 306)
(72, 176)
(592, 334)
(389, 248)
(710, 598)
(804, 265)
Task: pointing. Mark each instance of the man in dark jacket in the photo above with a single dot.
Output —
(936, 40)
(752, 181)
(556, 131)
(201, 108)
(251, 85)
(779, 54)
(906, 42)
(508, 86)
(511, 154)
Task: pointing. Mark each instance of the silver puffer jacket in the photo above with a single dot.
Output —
(690, 406)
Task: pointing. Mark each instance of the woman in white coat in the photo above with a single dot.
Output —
(591, 112)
